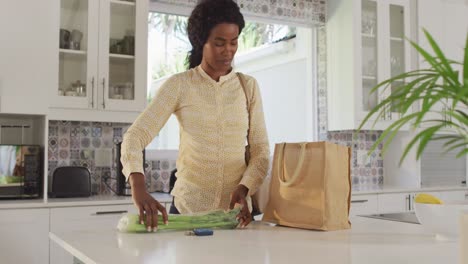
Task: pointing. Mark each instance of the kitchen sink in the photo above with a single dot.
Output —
(405, 217)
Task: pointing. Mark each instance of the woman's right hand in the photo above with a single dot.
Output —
(148, 206)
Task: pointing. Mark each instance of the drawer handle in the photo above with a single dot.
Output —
(359, 201)
(103, 93)
(92, 93)
(110, 212)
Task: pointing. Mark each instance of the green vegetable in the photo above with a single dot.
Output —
(10, 179)
(219, 219)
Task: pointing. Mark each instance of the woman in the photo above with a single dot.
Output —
(210, 105)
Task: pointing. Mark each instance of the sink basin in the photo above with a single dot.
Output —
(405, 217)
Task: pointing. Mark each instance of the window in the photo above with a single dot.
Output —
(276, 55)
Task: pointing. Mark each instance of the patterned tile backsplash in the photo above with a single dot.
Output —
(303, 12)
(366, 170)
(159, 172)
(91, 144)
(322, 83)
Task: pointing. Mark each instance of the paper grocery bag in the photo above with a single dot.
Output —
(310, 186)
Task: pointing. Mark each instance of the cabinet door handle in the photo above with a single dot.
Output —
(104, 93)
(408, 198)
(407, 202)
(359, 201)
(389, 113)
(110, 212)
(92, 92)
(384, 117)
(447, 116)
(411, 202)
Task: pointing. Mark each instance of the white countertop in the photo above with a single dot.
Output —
(85, 201)
(404, 190)
(369, 241)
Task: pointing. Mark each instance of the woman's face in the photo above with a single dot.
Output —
(221, 46)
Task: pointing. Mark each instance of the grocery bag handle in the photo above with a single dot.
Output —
(296, 171)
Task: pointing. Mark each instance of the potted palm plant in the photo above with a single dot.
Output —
(427, 88)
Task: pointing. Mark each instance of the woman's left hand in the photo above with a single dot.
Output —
(239, 197)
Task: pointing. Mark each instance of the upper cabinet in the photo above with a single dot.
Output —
(28, 58)
(365, 45)
(447, 22)
(102, 50)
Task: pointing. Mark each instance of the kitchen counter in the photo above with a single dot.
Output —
(85, 201)
(167, 198)
(402, 190)
(369, 241)
(97, 200)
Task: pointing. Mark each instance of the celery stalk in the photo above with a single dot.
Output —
(214, 219)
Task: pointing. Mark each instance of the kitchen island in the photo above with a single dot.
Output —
(368, 241)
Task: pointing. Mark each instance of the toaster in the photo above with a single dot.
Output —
(71, 182)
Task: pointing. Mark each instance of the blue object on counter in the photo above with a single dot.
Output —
(200, 232)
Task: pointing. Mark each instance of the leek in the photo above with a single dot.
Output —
(218, 219)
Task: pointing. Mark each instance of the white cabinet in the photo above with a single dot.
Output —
(439, 168)
(404, 202)
(28, 58)
(365, 46)
(102, 50)
(450, 195)
(24, 236)
(363, 205)
(447, 22)
(62, 218)
(395, 202)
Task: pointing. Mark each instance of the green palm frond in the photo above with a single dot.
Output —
(428, 88)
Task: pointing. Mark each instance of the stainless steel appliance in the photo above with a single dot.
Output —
(21, 171)
(405, 217)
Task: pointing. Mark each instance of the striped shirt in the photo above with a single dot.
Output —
(213, 120)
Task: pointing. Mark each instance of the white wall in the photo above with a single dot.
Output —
(284, 95)
(285, 78)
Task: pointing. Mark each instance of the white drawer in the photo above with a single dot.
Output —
(395, 202)
(363, 205)
(24, 236)
(447, 196)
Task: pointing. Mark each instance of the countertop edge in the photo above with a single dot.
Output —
(403, 190)
(167, 198)
(389, 238)
(70, 249)
(74, 202)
